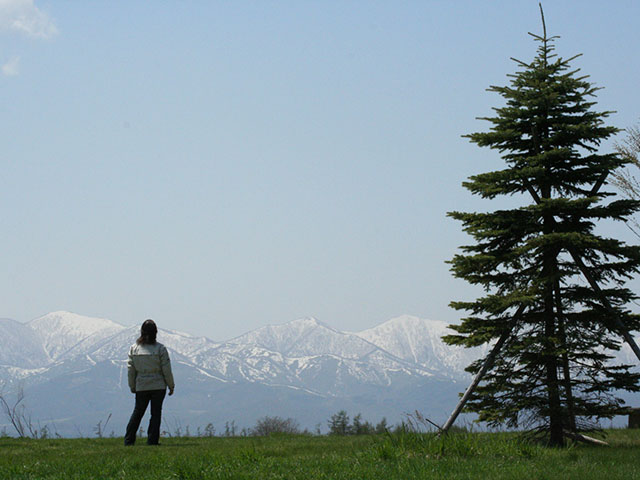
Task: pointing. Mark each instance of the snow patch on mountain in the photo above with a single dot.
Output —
(63, 333)
(420, 341)
(307, 337)
(21, 347)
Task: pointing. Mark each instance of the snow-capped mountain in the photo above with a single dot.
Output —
(306, 337)
(20, 345)
(73, 372)
(73, 369)
(420, 341)
(65, 333)
(311, 355)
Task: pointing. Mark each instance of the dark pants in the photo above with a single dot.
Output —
(142, 400)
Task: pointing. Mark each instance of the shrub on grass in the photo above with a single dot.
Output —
(269, 425)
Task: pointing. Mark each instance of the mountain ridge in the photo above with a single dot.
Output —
(300, 368)
(309, 366)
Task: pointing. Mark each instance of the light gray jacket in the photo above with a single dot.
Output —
(149, 368)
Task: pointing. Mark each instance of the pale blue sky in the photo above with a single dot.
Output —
(219, 166)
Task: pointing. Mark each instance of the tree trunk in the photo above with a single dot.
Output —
(549, 269)
(565, 360)
(556, 427)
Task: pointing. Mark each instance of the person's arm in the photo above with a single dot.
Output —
(131, 372)
(165, 363)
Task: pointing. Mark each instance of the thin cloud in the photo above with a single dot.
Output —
(22, 16)
(12, 67)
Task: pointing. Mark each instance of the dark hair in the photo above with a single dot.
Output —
(148, 333)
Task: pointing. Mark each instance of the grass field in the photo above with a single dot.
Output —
(394, 456)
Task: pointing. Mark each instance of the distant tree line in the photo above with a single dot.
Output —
(22, 424)
(339, 425)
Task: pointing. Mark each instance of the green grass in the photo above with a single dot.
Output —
(398, 456)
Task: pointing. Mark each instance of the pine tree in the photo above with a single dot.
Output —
(555, 291)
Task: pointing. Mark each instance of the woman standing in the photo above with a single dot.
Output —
(149, 370)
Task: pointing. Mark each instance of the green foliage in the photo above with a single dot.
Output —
(405, 442)
(552, 373)
(389, 456)
(381, 426)
(272, 425)
(339, 425)
(209, 430)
